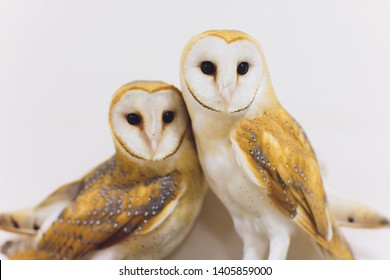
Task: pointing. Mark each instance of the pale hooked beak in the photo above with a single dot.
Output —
(226, 93)
(153, 142)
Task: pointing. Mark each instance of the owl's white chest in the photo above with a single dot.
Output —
(248, 203)
(228, 181)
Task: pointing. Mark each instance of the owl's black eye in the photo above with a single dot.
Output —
(168, 116)
(207, 67)
(134, 119)
(243, 68)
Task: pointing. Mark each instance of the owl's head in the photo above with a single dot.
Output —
(148, 119)
(223, 69)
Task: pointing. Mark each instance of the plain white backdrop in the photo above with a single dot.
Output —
(61, 62)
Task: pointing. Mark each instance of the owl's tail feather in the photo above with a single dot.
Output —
(30, 220)
(25, 249)
(338, 248)
(22, 221)
(335, 247)
(353, 214)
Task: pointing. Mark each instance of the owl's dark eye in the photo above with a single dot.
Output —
(243, 68)
(168, 116)
(133, 119)
(207, 67)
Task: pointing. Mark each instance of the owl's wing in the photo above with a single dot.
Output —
(354, 214)
(104, 215)
(29, 220)
(275, 153)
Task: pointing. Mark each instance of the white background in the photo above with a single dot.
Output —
(61, 61)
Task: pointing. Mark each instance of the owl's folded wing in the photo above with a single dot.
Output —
(29, 220)
(103, 215)
(275, 153)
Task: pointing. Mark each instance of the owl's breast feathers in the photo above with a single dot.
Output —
(110, 206)
(276, 154)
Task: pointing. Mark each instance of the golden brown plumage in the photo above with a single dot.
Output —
(127, 207)
(106, 209)
(280, 156)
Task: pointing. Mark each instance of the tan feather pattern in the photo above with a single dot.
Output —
(129, 207)
(29, 220)
(104, 213)
(281, 158)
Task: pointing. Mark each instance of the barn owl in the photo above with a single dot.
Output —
(255, 156)
(139, 204)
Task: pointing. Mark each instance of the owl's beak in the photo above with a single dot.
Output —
(226, 93)
(153, 142)
(153, 133)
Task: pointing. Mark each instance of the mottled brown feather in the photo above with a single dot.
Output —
(281, 158)
(106, 211)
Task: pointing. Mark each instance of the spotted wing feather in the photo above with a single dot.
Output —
(104, 215)
(275, 152)
(30, 220)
